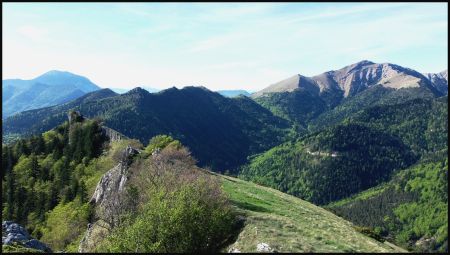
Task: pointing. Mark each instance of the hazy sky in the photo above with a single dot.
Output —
(217, 45)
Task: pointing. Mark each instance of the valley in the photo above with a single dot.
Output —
(350, 160)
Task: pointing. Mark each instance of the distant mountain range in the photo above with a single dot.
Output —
(225, 93)
(221, 131)
(354, 78)
(51, 88)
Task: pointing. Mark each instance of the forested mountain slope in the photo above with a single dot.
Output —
(329, 97)
(221, 132)
(411, 209)
(331, 164)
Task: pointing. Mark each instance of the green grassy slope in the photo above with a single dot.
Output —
(289, 224)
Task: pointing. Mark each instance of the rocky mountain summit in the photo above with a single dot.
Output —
(14, 234)
(354, 78)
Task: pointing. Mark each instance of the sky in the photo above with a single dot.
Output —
(217, 45)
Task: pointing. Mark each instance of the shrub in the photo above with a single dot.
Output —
(180, 208)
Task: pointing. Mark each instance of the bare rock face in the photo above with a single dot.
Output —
(439, 80)
(112, 134)
(106, 199)
(13, 233)
(355, 78)
(113, 181)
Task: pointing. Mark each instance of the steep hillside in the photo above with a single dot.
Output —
(288, 224)
(47, 177)
(439, 80)
(371, 97)
(221, 132)
(422, 123)
(300, 106)
(411, 209)
(328, 98)
(51, 88)
(330, 164)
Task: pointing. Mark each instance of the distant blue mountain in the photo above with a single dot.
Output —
(233, 93)
(51, 88)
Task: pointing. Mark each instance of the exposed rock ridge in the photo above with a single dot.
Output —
(106, 194)
(114, 180)
(357, 77)
(439, 80)
(112, 134)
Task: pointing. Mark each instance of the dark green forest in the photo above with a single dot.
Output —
(221, 132)
(412, 206)
(57, 168)
(331, 164)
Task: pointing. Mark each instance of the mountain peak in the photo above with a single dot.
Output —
(53, 73)
(57, 77)
(364, 62)
(356, 77)
(137, 90)
(358, 65)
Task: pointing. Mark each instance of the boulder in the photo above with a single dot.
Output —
(263, 247)
(13, 233)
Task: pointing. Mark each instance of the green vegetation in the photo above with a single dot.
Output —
(410, 207)
(377, 159)
(159, 142)
(221, 132)
(373, 96)
(289, 224)
(19, 249)
(299, 106)
(331, 164)
(421, 123)
(47, 180)
(174, 200)
(35, 122)
(65, 223)
(403, 127)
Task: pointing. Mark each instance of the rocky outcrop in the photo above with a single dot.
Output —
(106, 199)
(113, 181)
(14, 234)
(439, 80)
(112, 134)
(263, 247)
(426, 244)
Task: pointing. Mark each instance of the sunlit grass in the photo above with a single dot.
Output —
(289, 224)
